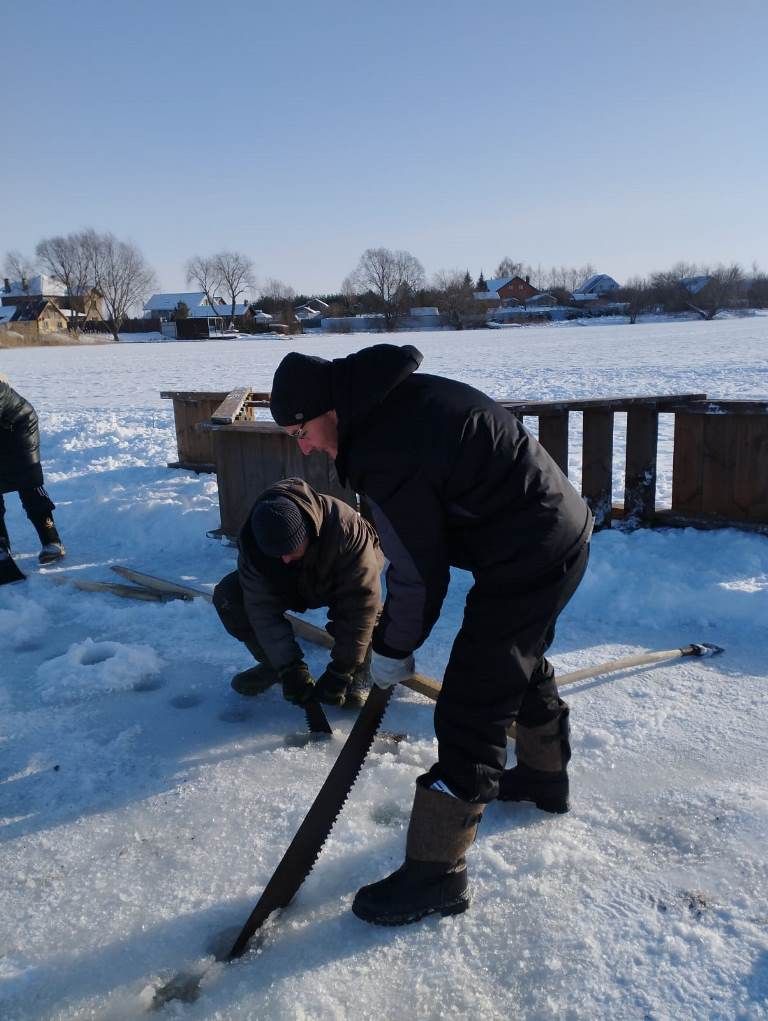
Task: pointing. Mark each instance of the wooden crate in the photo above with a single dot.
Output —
(194, 446)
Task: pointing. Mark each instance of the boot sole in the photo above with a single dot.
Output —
(458, 907)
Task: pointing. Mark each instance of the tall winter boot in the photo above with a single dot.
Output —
(434, 875)
(540, 775)
(52, 546)
(257, 679)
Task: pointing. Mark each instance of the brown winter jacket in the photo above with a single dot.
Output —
(340, 570)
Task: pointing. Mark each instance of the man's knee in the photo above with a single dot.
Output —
(228, 601)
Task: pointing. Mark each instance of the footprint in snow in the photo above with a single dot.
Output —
(186, 701)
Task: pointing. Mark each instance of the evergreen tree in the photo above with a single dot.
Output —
(481, 284)
(468, 281)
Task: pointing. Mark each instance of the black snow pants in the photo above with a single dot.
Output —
(497, 672)
(230, 606)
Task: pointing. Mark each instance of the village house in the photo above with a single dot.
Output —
(505, 292)
(165, 306)
(86, 306)
(596, 292)
(34, 319)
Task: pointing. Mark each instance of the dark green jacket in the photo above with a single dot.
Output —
(340, 570)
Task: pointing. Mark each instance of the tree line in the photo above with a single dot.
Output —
(387, 282)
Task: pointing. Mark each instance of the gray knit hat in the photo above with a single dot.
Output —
(301, 389)
(278, 525)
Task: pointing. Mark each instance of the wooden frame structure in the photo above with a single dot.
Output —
(720, 455)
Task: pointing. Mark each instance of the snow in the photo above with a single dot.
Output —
(144, 805)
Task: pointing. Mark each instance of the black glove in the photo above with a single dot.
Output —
(332, 685)
(298, 686)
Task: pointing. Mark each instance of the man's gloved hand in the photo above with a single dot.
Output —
(332, 685)
(386, 671)
(298, 686)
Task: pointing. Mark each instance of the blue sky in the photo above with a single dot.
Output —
(628, 135)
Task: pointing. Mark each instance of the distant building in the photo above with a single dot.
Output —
(595, 291)
(164, 306)
(44, 288)
(34, 319)
(512, 290)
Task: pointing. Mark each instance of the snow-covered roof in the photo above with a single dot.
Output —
(598, 284)
(209, 311)
(581, 296)
(7, 312)
(39, 284)
(497, 282)
(486, 296)
(695, 284)
(425, 310)
(170, 299)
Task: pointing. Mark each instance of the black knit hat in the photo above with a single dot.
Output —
(278, 525)
(301, 389)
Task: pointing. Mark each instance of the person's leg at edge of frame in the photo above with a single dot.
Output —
(5, 541)
(228, 601)
(39, 509)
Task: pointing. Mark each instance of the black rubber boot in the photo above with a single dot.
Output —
(433, 877)
(255, 681)
(540, 775)
(418, 888)
(52, 546)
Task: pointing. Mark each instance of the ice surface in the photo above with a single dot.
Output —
(143, 805)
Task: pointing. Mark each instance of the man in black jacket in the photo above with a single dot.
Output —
(301, 549)
(452, 479)
(21, 471)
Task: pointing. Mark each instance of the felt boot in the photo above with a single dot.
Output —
(540, 775)
(433, 877)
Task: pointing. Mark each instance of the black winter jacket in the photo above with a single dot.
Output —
(19, 442)
(340, 570)
(451, 478)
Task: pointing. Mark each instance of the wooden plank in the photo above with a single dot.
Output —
(231, 406)
(553, 436)
(716, 407)
(597, 465)
(719, 444)
(663, 402)
(750, 472)
(687, 463)
(194, 395)
(671, 519)
(640, 475)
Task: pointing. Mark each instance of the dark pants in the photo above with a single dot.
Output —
(39, 507)
(497, 672)
(228, 600)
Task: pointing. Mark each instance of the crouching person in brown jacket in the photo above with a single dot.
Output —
(299, 550)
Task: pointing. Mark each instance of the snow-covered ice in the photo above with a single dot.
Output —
(143, 804)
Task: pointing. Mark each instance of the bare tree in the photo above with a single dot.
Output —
(237, 276)
(277, 290)
(71, 260)
(454, 295)
(697, 288)
(509, 268)
(123, 278)
(392, 276)
(204, 271)
(637, 294)
(17, 266)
